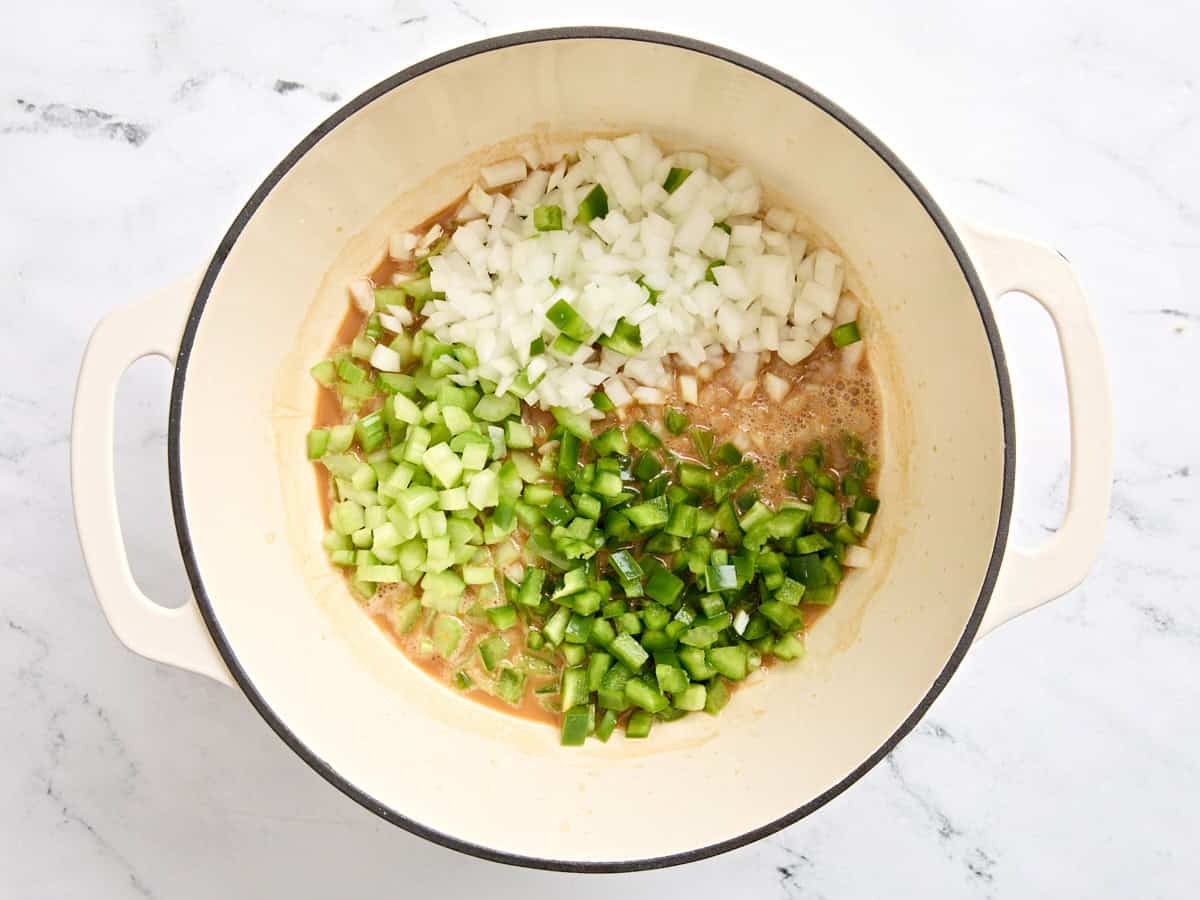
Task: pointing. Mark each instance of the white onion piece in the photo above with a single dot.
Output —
(653, 195)
(467, 212)
(689, 391)
(529, 193)
(828, 270)
(693, 230)
(818, 296)
(435, 232)
(617, 392)
(502, 173)
(363, 294)
(616, 173)
(400, 246)
(385, 359)
(648, 396)
(391, 323)
(797, 247)
(731, 282)
(745, 367)
(777, 388)
(747, 390)
(792, 351)
(480, 199)
(741, 619)
(745, 235)
(401, 314)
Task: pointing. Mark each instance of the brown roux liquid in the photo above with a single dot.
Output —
(825, 402)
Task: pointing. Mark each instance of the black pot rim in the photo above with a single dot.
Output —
(180, 376)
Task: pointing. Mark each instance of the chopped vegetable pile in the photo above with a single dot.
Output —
(574, 554)
(597, 271)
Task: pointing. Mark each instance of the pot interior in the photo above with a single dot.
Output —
(333, 683)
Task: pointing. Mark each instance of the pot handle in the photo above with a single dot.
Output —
(151, 327)
(1030, 577)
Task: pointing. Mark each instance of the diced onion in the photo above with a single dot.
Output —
(777, 388)
(400, 246)
(385, 359)
(363, 294)
(480, 199)
(502, 173)
(688, 389)
(741, 619)
(648, 396)
(649, 263)
(435, 232)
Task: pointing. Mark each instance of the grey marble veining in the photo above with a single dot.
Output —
(1064, 757)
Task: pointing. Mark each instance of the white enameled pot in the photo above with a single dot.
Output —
(272, 618)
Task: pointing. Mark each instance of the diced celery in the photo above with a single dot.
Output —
(496, 409)
(573, 422)
(518, 434)
(453, 499)
(478, 574)
(317, 442)
(447, 634)
(483, 491)
(416, 499)
(443, 464)
(324, 373)
(380, 573)
(474, 457)
(402, 409)
(457, 420)
(432, 523)
(346, 517)
(340, 438)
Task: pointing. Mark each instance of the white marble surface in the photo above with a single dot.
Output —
(1063, 758)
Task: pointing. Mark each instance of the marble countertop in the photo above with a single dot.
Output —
(1064, 757)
